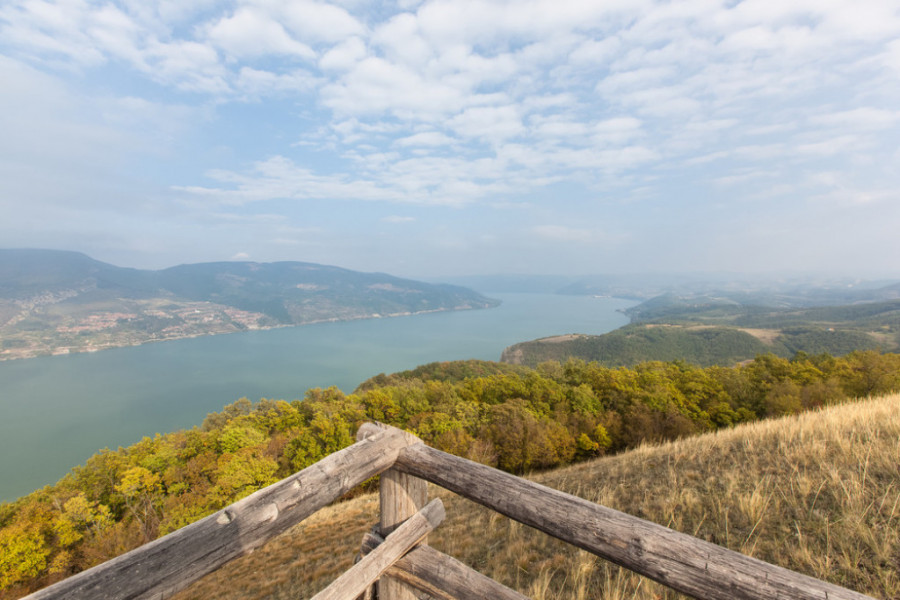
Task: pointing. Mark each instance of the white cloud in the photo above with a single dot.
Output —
(558, 127)
(420, 102)
(891, 56)
(426, 138)
(250, 33)
(258, 83)
(833, 146)
(866, 118)
(186, 65)
(344, 55)
(402, 42)
(615, 131)
(494, 123)
(320, 22)
(377, 86)
(596, 52)
(398, 219)
(51, 30)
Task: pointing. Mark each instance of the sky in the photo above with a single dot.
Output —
(456, 137)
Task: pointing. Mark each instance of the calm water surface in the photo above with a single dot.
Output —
(57, 411)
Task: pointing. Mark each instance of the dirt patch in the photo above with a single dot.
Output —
(685, 327)
(558, 339)
(887, 340)
(767, 336)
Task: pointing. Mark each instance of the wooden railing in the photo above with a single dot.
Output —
(400, 561)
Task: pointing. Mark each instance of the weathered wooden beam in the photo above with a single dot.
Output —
(399, 497)
(442, 576)
(679, 561)
(360, 576)
(172, 562)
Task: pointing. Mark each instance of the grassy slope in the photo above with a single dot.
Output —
(818, 493)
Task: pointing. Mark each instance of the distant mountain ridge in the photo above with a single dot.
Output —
(54, 301)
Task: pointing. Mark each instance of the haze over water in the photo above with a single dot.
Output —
(57, 411)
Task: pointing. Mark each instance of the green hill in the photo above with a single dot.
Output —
(634, 344)
(723, 330)
(698, 344)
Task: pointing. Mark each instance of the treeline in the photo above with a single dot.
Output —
(515, 418)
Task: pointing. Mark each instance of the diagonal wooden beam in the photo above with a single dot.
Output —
(360, 576)
(442, 576)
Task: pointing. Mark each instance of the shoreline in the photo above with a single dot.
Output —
(69, 350)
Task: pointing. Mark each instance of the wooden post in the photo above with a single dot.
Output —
(354, 581)
(400, 497)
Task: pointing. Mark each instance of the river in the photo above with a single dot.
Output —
(57, 411)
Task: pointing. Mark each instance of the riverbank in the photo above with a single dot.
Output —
(207, 322)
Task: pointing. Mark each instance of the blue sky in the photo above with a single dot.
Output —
(456, 137)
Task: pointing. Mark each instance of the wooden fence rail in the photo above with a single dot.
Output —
(679, 561)
(172, 562)
(686, 564)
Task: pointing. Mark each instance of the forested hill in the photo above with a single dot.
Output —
(719, 330)
(514, 418)
(56, 301)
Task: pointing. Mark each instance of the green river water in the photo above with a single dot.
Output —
(57, 411)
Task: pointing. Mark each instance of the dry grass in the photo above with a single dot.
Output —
(767, 336)
(818, 493)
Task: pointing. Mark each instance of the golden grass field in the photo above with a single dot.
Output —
(818, 493)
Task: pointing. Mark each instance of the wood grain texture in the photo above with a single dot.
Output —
(684, 563)
(171, 563)
(360, 576)
(442, 576)
(400, 496)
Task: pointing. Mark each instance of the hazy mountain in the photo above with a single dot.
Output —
(56, 301)
(769, 291)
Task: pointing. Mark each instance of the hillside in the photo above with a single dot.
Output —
(817, 493)
(877, 308)
(54, 302)
(514, 418)
(723, 330)
(703, 345)
(633, 344)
